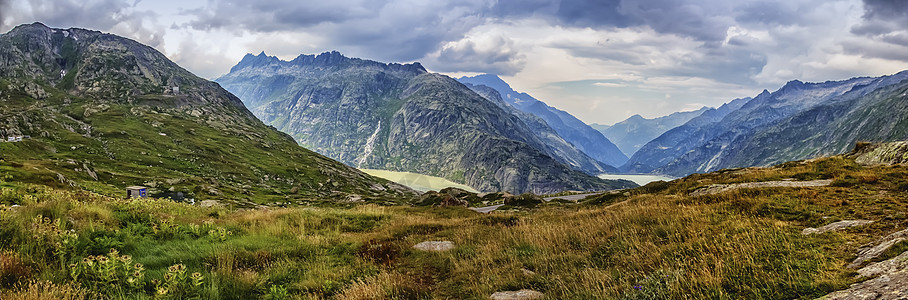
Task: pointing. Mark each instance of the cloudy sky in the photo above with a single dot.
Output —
(601, 60)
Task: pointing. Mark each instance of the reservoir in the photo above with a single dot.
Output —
(641, 179)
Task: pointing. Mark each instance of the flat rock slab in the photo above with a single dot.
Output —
(886, 287)
(574, 198)
(889, 266)
(435, 246)
(834, 226)
(883, 244)
(487, 209)
(720, 188)
(517, 295)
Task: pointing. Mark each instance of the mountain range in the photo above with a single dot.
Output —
(634, 132)
(574, 131)
(798, 121)
(400, 117)
(103, 112)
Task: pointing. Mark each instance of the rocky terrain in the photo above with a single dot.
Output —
(105, 112)
(400, 117)
(574, 131)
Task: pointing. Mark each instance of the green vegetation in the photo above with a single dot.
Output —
(655, 242)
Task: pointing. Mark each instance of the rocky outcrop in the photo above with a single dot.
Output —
(886, 287)
(868, 253)
(892, 153)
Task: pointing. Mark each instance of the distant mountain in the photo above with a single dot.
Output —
(787, 124)
(677, 141)
(104, 112)
(402, 118)
(574, 131)
(877, 112)
(631, 134)
(555, 145)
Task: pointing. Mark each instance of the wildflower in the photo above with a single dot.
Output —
(196, 275)
(138, 266)
(638, 287)
(102, 260)
(162, 291)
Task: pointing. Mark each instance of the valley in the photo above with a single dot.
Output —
(427, 170)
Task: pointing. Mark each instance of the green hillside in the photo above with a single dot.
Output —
(124, 115)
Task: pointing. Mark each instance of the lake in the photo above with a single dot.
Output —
(419, 182)
(641, 179)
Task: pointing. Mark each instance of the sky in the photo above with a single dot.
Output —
(600, 60)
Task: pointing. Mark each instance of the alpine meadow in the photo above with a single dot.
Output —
(563, 149)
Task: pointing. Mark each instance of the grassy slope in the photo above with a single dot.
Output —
(146, 143)
(740, 244)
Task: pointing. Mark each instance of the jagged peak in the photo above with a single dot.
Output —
(327, 58)
(250, 60)
(490, 80)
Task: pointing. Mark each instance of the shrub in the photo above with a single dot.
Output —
(177, 284)
(113, 273)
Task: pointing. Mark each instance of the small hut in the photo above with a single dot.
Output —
(136, 192)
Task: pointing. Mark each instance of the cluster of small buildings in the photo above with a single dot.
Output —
(17, 138)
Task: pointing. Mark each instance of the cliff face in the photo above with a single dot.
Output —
(400, 117)
(105, 111)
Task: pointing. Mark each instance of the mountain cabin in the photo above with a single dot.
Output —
(136, 192)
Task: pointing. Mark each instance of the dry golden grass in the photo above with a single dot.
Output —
(656, 242)
(44, 290)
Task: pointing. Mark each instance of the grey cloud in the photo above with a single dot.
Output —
(886, 9)
(269, 16)
(395, 30)
(884, 20)
(872, 28)
(768, 13)
(864, 50)
(106, 15)
(4, 9)
(702, 20)
(500, 57)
